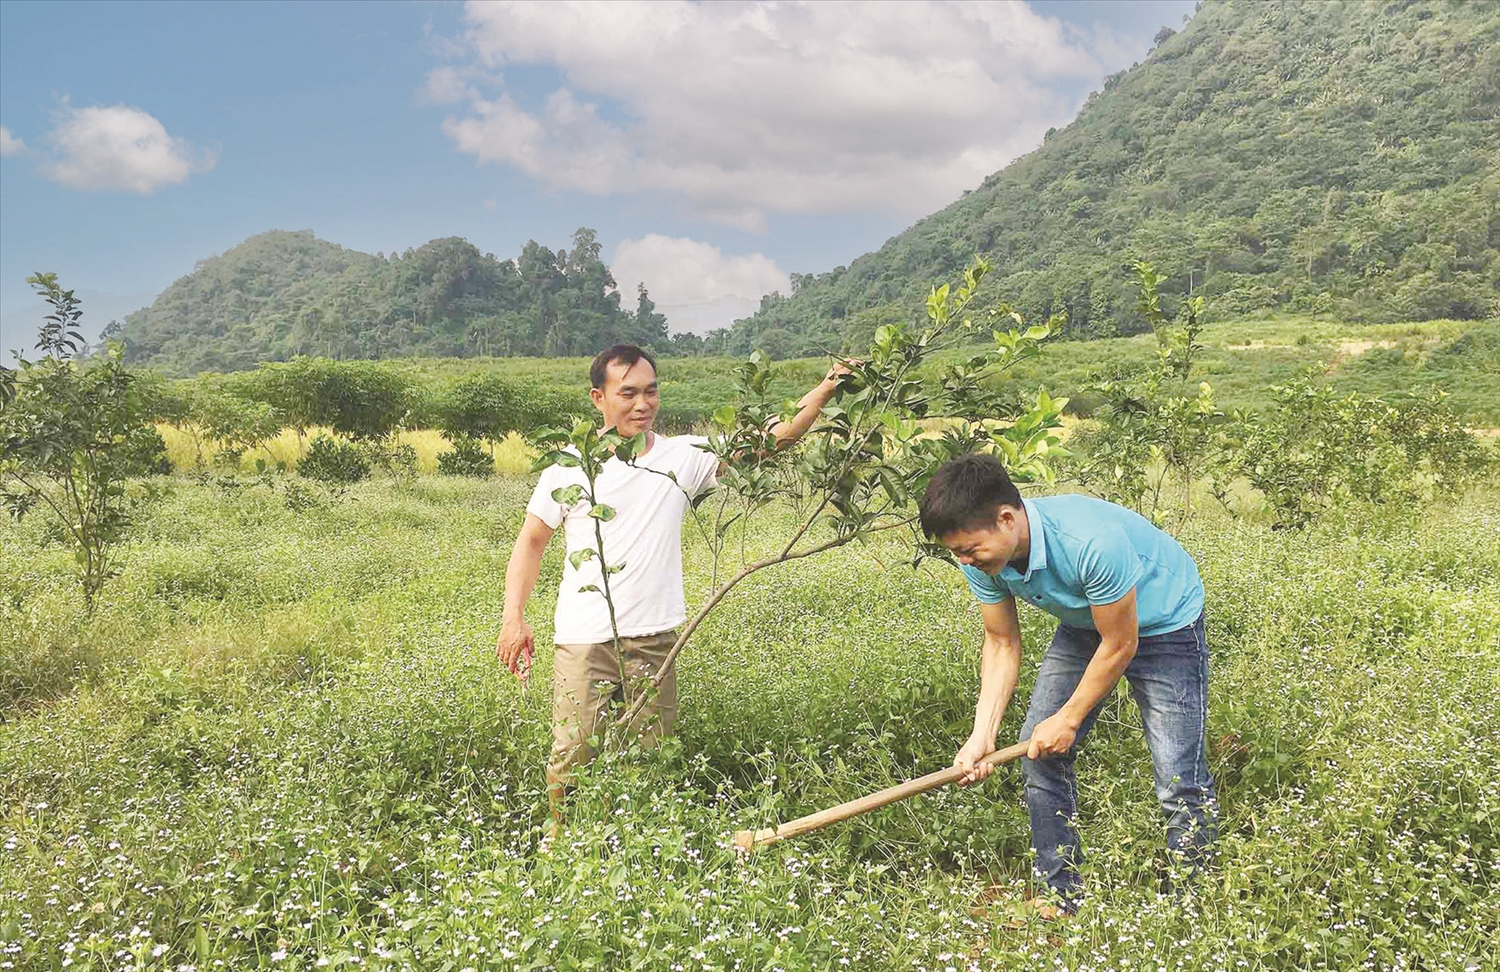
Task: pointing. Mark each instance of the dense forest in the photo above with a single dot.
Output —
(1324, 158)
(281, 294)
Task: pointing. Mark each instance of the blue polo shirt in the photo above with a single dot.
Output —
(1088, 551)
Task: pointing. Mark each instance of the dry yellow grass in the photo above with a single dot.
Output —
(512, 457)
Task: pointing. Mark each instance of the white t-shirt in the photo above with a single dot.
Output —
(645, 535)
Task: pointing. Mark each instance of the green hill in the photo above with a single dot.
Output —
(1335, 159)
(282, 294)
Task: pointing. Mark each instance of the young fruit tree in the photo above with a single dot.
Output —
(917, 398)
(1155, 422)
(71, 432)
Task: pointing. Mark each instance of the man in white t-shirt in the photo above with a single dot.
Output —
(646, 536)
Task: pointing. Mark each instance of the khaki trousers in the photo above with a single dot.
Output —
(586, 683)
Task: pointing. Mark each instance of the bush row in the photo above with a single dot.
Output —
(363, 402)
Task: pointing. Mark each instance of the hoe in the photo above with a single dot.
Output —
(749, 840)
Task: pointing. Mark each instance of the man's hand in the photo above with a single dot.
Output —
(968, 759)
(1053, 737)
(515, 647)
(842, 367)
(811, 404)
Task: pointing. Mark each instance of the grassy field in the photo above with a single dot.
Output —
(1243, 358)
(512, 457)
(283, 742)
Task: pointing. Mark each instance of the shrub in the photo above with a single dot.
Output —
(676, 420)
(145, 454)
(235, 425)
(467, 458)
(482, 406)
(398, 459)
(359, 399)
(331, 460)
(70, 434)
(1319, 446)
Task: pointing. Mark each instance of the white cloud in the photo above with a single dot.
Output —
(693, 283)
(750, 108)
(9, 144)
(449, 85)
(119, 148)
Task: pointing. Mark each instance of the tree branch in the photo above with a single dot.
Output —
(666, 666)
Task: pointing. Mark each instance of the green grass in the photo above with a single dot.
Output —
(284, 738)
(1244, 358)
(513, 456)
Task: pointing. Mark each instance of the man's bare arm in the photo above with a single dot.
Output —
(516, 638)
(999, 668)
(809, 407)
(1119, 635)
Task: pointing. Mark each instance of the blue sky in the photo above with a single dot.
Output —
(715, 148)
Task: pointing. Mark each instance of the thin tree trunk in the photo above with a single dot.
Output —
(640, 703)
(718, 595)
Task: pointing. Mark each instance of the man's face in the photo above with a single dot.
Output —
(987, 547)
(629, 399)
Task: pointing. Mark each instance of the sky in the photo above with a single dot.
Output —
(715, 148)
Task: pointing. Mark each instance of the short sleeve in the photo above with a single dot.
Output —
(985, 587)
(700, 468)
(1108, 567)
(542, 505)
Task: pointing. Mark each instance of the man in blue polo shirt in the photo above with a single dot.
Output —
(1130, 602)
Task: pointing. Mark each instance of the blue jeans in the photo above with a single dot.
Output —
(1169, 678)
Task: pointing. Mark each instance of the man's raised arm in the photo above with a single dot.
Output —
(516, 643)
(810, 406)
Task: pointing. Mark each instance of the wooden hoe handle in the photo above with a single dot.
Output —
(748, 840)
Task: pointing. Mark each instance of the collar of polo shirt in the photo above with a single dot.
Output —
(1036, 558)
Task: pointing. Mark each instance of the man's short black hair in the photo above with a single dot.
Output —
(627, 354)
(966, 493)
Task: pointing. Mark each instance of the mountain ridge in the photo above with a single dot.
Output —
(280, 294)
(1314, 158)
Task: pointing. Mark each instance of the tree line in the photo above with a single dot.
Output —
(280, 295)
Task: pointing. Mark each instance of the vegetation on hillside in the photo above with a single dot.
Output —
(281, 294)
(1329, 159)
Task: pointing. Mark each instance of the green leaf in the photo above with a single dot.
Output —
(602, 513)
(631, 447)
(580, 557)
(587, 588)
(890, 481)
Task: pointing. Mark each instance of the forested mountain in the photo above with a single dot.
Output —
(1331, 158)
(282, 294)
